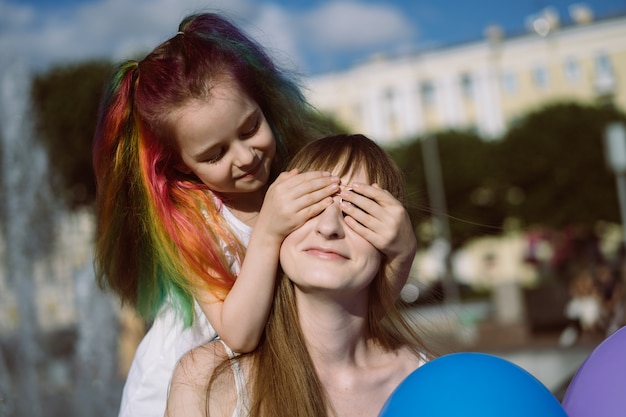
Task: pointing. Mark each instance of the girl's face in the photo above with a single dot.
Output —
(226, 141)
(326, 254)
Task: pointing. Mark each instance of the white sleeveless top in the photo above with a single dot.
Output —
(242, 408)
(145, 391)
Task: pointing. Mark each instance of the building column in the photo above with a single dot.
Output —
(489, 119)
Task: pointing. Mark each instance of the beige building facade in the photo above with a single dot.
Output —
(481, 86)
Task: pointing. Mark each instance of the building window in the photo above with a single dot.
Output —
(427, 93)
(572, 70)
(509, 83)
(467, 86)
(540, 77)
(604, 80)
(603, 66)
(389, 100)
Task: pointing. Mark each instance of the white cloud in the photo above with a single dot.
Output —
(274, 28)
(348, 25)
(113, 29)
(119, 29)
(13, 16)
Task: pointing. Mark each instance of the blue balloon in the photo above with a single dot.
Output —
(471, 385)
(599, 386)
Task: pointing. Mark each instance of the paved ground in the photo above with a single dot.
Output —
(540, 353)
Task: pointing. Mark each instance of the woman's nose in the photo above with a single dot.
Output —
(330, 222)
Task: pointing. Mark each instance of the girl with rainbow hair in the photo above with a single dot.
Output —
(188, 154)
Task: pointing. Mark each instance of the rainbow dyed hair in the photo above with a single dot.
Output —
(159, 231)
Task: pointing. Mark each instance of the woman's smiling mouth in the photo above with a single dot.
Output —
(326, 253)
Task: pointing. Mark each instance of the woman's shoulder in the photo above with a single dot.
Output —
(190, 381)
(408, 359)
(199, 363)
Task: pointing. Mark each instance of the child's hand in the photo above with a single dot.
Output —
(380, 219)
(294, 198)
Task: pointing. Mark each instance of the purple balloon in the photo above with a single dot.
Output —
(599, 386)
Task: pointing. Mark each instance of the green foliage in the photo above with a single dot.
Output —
(329, 124)
(65, 101)
(471, 191)
(549, 169)
(468, 166)
(408, 156)
(555, 160)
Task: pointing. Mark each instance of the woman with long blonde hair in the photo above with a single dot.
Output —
(335, 343)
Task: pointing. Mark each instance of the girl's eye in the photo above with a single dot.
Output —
(215, 158)
(252, 131)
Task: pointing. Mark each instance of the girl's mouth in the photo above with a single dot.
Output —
(253, 171)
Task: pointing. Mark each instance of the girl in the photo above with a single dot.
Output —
(332, 342)
(188, 141)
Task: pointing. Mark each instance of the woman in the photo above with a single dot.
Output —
(335, 343)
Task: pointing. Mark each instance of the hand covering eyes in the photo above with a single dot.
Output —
(341, 200)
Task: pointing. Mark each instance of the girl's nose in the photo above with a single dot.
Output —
(330, 222)
(244, 155)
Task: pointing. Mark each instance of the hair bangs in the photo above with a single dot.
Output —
(345, 154)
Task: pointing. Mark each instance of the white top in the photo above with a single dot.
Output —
(145, 391)
(242, 408)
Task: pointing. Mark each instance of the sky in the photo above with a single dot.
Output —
(308, 36)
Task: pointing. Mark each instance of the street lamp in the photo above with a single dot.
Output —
(615, 148)
(434, 183)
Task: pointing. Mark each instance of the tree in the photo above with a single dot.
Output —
(548, 170)
(553, 162)
(408, 157)
(472, 186)
(467, 169)
(65, 101)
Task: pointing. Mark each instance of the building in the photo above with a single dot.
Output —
(484, 85)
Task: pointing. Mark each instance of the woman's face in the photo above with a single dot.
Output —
(226, 141)
(325, 254)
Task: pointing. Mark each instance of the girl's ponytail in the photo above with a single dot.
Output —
(114, 161)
